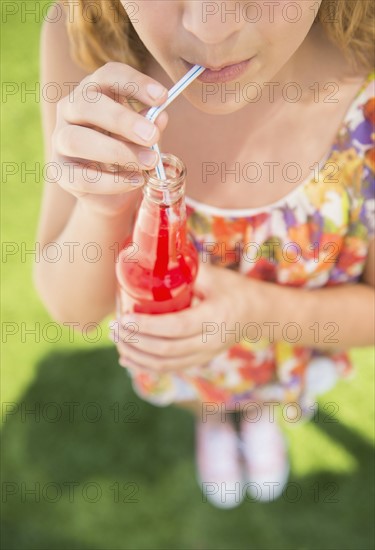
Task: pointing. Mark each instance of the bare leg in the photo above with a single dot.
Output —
(198, 408)
(195, 407)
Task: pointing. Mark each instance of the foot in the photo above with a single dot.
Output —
(217, 456)
(265, 456)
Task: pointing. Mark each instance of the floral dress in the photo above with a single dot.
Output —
(317, 236)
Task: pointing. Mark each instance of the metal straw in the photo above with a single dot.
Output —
(174, 92)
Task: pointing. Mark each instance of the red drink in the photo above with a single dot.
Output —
(158, 265)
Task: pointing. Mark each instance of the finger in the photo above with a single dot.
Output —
(157, 364)
(181, 324)
(87, 144)
(162, 347)
(161, 121)
(112, 117)
(78, 177)
(123, 81)
(132, 366)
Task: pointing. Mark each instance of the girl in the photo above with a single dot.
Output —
(280, 158)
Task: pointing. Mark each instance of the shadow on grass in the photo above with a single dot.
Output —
(94, 467)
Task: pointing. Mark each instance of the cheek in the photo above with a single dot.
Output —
(285, 25)
(155, 23)
(132, 10)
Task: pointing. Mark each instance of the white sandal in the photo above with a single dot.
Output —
(265, 453)
(219, 470)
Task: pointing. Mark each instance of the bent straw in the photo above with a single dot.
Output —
(174, 92)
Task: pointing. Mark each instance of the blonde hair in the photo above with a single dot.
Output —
(101, 31)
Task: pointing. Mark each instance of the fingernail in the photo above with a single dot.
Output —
(155, 91)
(144, 129)
(148, 158)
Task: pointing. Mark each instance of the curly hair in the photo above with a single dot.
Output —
(101, 31)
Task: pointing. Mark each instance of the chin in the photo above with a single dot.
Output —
(215, 106)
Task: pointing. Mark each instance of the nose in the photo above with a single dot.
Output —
(212, 22)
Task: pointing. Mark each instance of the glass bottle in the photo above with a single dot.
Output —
(158, 264)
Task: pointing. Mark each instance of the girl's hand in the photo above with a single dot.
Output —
(100, 143)
(192, 337)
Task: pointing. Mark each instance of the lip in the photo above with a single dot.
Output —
(223, 74)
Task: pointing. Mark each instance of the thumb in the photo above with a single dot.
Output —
(205, 279)
(161, 121)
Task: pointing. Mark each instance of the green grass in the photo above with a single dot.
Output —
(150, 460)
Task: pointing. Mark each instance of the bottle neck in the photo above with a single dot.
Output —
(164, 195)
(164, 202)
(169, 190)
(161, 221)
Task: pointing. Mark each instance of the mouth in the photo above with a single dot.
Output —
(225, 73)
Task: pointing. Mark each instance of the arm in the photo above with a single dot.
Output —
(63, 286)
(75, 289)
(194, 336)
(81, 288)
(329, 318)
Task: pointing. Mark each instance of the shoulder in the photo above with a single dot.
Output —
(365, 97)
(57, 63)
(59, 73)
(359, 157)
(54, 28)
(357, 130)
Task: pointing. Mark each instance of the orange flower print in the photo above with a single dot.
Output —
(369, 110)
